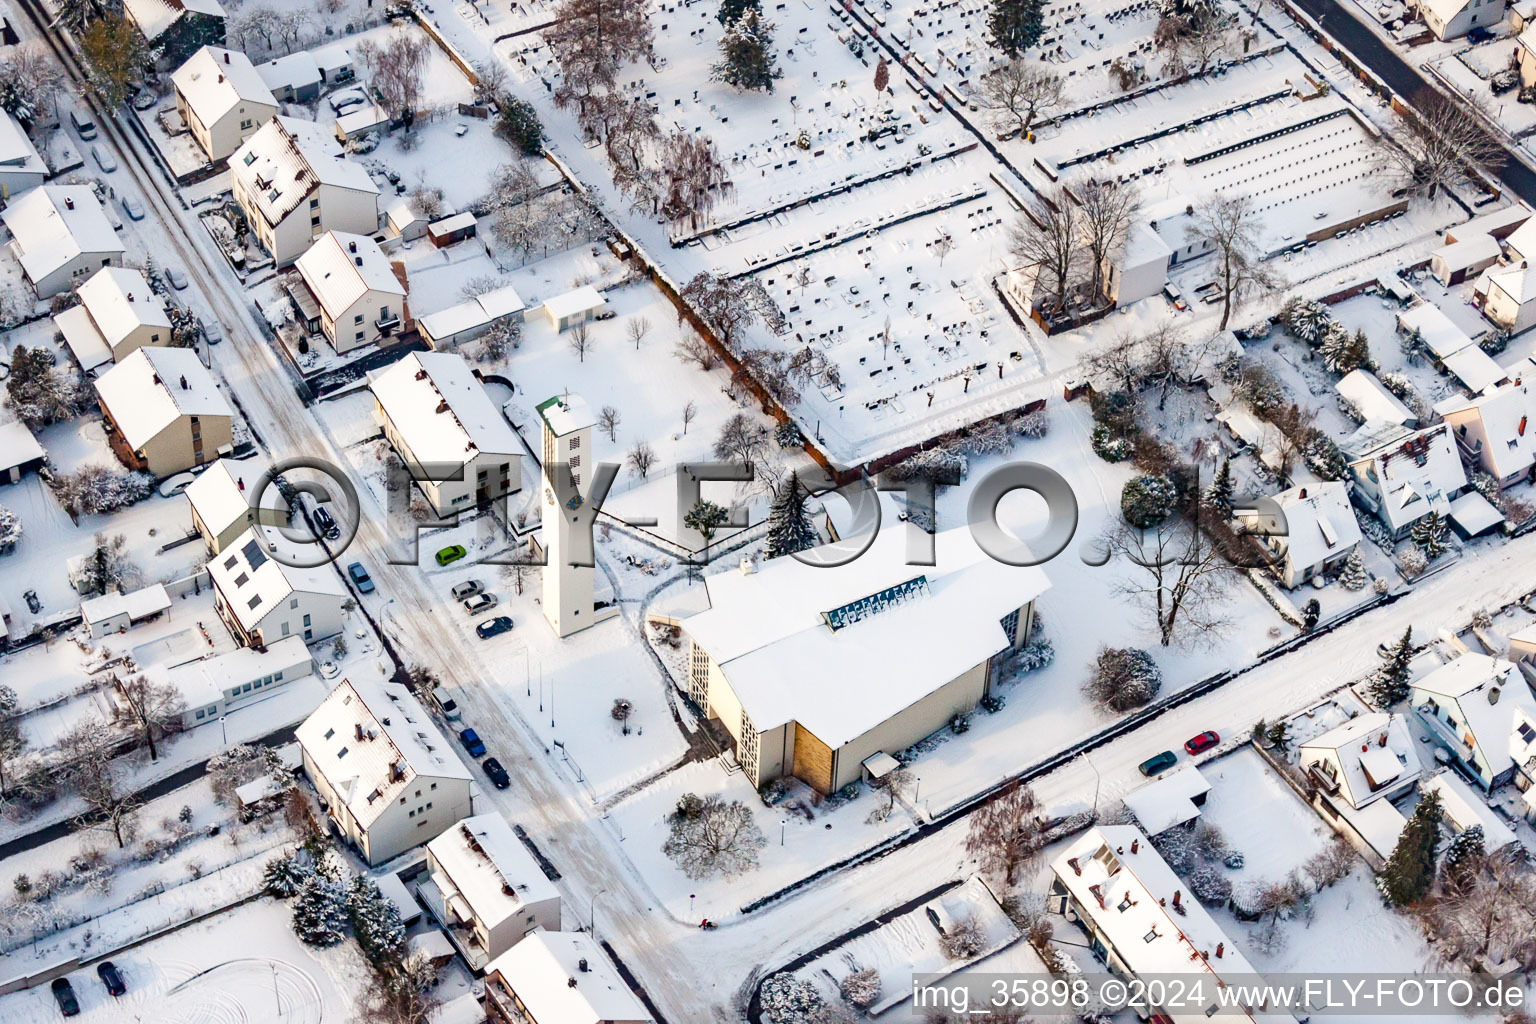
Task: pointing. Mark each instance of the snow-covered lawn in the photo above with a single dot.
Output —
(241, 965)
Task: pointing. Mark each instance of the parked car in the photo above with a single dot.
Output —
(346, 100)
(494, 627)
(33, 604)
(1478, 34)
(64, 995)
(469, 588)
(360, 578)
(212, 332)
(1157, 763)
(472, 742)
(327, 523)
(479, 603)
(177, 279)
(450, 554)
(84, 126)
(133, 208)
(1205, 741)
(144, 99)
(496, 773)
(447, 699)
(104, 158)
(110, 977)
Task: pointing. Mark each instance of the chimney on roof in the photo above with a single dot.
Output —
(155, 379)
(1072, 863)
(1381, 740)
(1220, 948)
(130, 296)
(358, 260)
(357, 728)
(1493, 695)
(240, 482)
(1302, 493)
(581, 965)
(183, 382)
(69, 202)
(352, 247)
(1176, 895)
(421, 374)
(442, 406)
(221, 79)
(570, 982)
(748, 565)
(226, 56)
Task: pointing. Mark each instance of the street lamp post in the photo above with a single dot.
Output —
(592, 915)
(782, 823)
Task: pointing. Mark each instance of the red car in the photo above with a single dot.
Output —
(1205, 741)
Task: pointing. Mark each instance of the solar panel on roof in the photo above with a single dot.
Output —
(254, 556)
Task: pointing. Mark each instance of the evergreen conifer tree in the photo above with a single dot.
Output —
(1013, 26)
(1429, 534)
(1390, 686)
(375, 923)
(789, 524)
(1353, 576)
(747, 61)
(1410, 871)
(320, 912)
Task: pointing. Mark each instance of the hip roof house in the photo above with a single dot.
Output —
(813, 671)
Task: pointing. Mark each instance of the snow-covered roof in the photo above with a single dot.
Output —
(155, 17)
(1522, 738)
(295, 71)
(1517, 281)
(545, 970)
(1319, 522)
(120, 301)
(1488, 691)
(573, 302)
(1365, 392)
(219, 497)
(341, 268)
(287, 159)
(214, 81)
(370, 740)
(16, 150)
(153, 388)
(361, 119)
(1143, 245)
(1168, 801)
(1416, 472)
(1477, 251)
(440, 409)
(136, 604)
(841, 650)
(1475, 513)
(472, 314)
(1445, 10)
(53, 224)
(1372, 751)
(1380, 824)
(494, 874)
(395, 891)
(253, 583)
(1125, 886)
(1499, 223)
(565, 414)
(1474, 368)
(1506, 416)
(1523, 239)
(207, 680)
(1464, 809)
(17, 446)
(1441, 336)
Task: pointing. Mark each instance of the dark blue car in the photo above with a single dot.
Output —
(472, 743)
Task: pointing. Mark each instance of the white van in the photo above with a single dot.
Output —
(447, 699)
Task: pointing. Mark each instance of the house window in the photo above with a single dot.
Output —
(434, 785)
(358, 319)
(293, 602)
(246, 123)
(199, 713)
(306, 622)
(575, 442)
(358, 336)
(575, 461)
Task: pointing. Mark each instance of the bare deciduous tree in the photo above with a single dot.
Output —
(608, 421)
(1229, 226)
(694, 179)
(690, 410)
(691, 348)
(641, 458)
(742, 439)
(580, 340)
(154, 709)
(1438, 144)
(1019, 93)
(709, 836)
(723, 304)
(1004, 833)
(395, 69)
(636, 328)
(1048, 238)
(1177, 573)
(1107, 207)
(591, 40)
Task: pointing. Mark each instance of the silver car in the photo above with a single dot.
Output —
(467, 589)
(104, 159)
(479, 603)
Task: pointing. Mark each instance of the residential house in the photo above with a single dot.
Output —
(263, 599)
(1436, 332)
(1368, 396)
(1525, 54)
(1507, 294)
(1468, 707)
(20, 452)
(1454, 262)
(173, 29)
(361, 294)
(1138, 268)
(1369, 758)
(165, 412)
(1452, 19)
(1462, 808)
(486, 889)
(294, 185)
(222, 508)
(452, 327)
(222, 99)
(1402, 475)
(21, 166)
(387, 778)
(219, 684)
(118, 314)
(403, 221)
(61, 236)
(559, 978)
(1143, 923)
(911, 646)
(1495, 431)
(452, 438)
(1310, 533)
(571, 308)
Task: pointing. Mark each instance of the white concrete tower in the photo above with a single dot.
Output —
(568, 599)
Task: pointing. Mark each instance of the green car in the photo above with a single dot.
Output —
(1152, 765)
(451, 553)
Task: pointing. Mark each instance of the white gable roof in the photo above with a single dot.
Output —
(889, 633)
(17, 447)
(542, 967)
(287, 159)
(341, 268)
(1362, 389)
(155, 17)
(253, 583)
(53, 224)
(220, 496)
(472, 314)
(120, 301)
(1416, 473)
(215, 81)
(492, 870)
(1319, 522)
(1470, 681)
(1523, 239)
(1445, 10)
(1464, 809)
(1168, 801)
(398, 744)
(295, 71)
(414, 392)
(154, 387)
(1440, 335)
(580, 300)
(16, 150)
(1508, 417)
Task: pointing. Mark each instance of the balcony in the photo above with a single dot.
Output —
(386, 324)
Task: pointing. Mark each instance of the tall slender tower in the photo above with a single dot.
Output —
(568, 600)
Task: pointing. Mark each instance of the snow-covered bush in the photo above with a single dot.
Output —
(1148, 500)
(1036, 654)
(1035, 424)
(1123, 678)
(1398, 384)
(1306, 319)
(1373, 530)
(786, 1000)
(1412, 559)
(10, 529)
(939, 464)
(963, 939)
(861, 987)
(1108, 447)
(1209, 885)
(96, 490)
